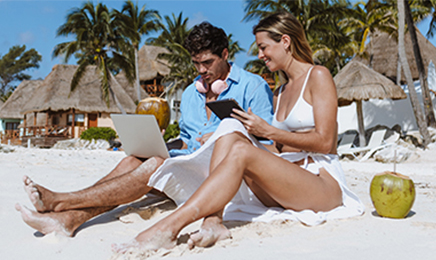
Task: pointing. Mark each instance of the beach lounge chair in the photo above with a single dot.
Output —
(346, 143)
(376, 142)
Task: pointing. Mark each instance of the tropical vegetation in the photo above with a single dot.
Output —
(97, 133)
(96, 43)
(12, 67)
(338, 30)
(132, 23)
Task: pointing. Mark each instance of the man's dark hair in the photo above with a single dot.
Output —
(205, 37)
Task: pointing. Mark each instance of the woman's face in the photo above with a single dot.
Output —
(271, 52)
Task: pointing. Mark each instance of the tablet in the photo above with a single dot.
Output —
(223, 108)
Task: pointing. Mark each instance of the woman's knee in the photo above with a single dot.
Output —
(240, 150)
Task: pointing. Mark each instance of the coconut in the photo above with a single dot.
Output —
(392, 194)
(155, 106)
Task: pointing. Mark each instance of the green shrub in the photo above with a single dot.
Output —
(96, 133)
(172, 131)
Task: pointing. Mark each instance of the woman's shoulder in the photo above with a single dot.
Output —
(320, 71)
(320, 75)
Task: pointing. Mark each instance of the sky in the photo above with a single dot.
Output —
(35, 22)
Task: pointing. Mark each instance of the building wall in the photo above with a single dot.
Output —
(104, 120)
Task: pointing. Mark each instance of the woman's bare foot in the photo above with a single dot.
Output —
(151, 239)
(38, 195)
(45, 222)
(212, 230)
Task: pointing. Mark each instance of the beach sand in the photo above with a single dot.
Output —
(364, 237)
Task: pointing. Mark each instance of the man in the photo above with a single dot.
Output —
(208, 45)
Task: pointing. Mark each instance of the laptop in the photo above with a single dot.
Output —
(140, 135)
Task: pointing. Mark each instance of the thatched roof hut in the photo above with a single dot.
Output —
(12, 107)
(149, 65)
(356, 82)
(54, 93)
(385, 54)
(129, 88)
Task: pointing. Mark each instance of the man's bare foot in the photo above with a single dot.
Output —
(211, 231)
(148, 240)
(44, 222)
(36, 194)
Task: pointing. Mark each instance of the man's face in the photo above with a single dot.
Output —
(211, 66)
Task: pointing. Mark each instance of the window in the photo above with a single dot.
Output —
(79, 119)
(12, 125)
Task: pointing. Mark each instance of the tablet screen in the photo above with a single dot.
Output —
(223, 108)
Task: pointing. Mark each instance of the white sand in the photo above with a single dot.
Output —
(364, 237)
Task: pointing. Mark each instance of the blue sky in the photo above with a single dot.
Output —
(34, 23)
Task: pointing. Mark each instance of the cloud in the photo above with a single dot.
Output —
(196, 19)
(26, 37)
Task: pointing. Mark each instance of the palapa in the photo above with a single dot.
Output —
(13, 105)
(130, 90)
(356, 82)
(384, 49)
(149, 65)
(54, 93)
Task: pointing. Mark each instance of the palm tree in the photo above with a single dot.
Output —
(95, 43)
(175, 31)
(366, 19)
(319, 18)
(428, 106)
(133, 23)
(182, 70)
(412, 93)
(234, 47)
(173, 35)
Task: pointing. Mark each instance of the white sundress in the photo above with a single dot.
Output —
(180, 177)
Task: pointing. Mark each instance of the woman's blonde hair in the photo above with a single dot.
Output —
(280, 23)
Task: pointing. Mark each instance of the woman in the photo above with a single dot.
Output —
(300, 173)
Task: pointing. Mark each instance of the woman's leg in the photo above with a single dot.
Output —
(287, 183)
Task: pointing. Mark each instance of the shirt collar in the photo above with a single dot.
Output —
(235, 72)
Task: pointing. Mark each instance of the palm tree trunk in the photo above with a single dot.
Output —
(117, 102)
(137, 85)
(428, 106)
(420, 121)
(398, 70)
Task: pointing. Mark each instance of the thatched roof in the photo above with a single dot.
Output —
(385, 50)
(130, 90)
(356, 81)
(14, 104)
(149, 65)
(54, 91)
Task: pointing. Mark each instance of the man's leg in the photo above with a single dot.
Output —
(90, 202)
(94, 196)
(63, 223)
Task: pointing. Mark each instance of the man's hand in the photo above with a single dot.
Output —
(204, 138)
(253, 123)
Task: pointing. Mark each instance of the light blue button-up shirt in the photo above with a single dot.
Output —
(248, 89)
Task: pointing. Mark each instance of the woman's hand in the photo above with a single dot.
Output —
(253, 123)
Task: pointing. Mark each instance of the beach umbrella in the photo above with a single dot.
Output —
(356, 82)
